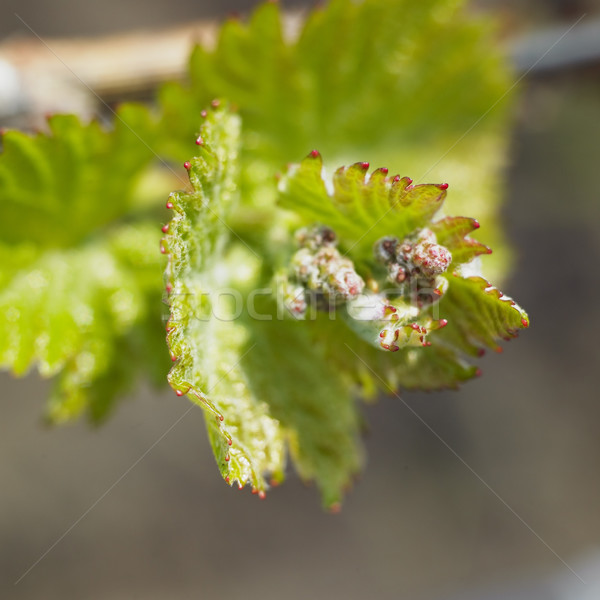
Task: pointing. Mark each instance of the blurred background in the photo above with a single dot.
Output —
(513, 511)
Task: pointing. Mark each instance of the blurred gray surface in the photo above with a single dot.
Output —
(562, 586)
(575, 44)
(58, 18)
(418, 525)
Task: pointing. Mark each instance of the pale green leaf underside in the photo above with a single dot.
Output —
(261, 383)
(207, 351)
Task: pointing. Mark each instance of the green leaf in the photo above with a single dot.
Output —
(357, 71)
(141, 352)
(399, 81)
(69, 310)
(311, 400)
(246, 440)
(57, 188)
(478, 315)
(360, 210)
(256, 396)
(77, 285)
(406, 83)
(452, 233)
(414, 368)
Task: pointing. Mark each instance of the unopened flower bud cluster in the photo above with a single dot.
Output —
(415, 265)
(318, 269)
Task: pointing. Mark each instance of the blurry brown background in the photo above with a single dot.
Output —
(419, 524)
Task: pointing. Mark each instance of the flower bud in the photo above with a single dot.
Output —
(414, 265)
(431, 259)
(316, 237)
(385, 249)
(318, 272)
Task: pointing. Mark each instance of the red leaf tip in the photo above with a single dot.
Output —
(169, 205)
(187, 165)
(384, 170)
(364, 165)
(165, 228)
(476, 224)
(179, 392)
(199, 141)
(335, 508)
(215, 103)
(443, 186)
(315, 154)
(525, 322)
(204, 114)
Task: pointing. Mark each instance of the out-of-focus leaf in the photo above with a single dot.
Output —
(404, 83)
(76, 283)
(60, 187)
